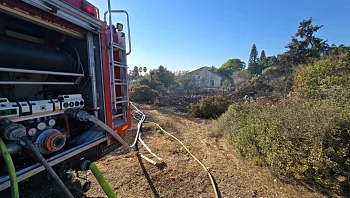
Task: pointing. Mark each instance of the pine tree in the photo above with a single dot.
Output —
(253, 65)
(135, 73)
(263, 60)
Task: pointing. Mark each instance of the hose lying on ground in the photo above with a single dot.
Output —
(85, 116)
(188, 151)
(102, 181)
(11, 169)
(194, 157)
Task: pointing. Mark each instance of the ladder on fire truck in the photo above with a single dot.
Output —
(117, 53)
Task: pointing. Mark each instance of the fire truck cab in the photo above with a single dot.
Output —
(57, 56)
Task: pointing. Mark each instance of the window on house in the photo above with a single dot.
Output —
(212, 83)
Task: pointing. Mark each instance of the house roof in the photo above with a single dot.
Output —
(197, 71)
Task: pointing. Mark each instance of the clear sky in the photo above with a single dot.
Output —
(188, 34)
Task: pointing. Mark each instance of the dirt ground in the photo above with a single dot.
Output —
(183, 177)
(130, 176)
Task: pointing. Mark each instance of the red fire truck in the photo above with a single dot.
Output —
(57, 60)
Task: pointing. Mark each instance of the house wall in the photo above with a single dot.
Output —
(209, 76)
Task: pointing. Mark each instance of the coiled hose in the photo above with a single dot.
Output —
(11, 169)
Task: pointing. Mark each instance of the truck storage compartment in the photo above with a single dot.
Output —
(44, 73)
(24, 55)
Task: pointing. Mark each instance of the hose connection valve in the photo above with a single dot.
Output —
(11, 130)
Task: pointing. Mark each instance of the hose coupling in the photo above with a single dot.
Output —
(80, 115)
(11, 130)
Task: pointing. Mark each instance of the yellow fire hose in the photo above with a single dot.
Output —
(211, 178)
(194, 157)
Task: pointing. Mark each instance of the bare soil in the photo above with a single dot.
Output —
(131, 176)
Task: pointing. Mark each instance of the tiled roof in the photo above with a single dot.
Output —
(197, 71)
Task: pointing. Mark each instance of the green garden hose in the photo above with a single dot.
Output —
(11, 169)
(102, 181)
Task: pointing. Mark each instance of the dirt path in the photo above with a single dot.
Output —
(132, 177)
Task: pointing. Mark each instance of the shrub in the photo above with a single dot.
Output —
(144, 81)
(240, 77)
(161, 90)
(209, 107)
(282, 84)
(306, 140)
(272, 72)
(318, 80)
(252, 87)
(142, 93)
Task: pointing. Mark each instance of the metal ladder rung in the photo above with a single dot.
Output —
(119, 115)
(117, 46)
(122, 101)
(119, 64)
(40, 72)
(120, 83)
(122, 107)
(34, 83)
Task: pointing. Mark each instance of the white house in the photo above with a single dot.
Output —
(206, 78)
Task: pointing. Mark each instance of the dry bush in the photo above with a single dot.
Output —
(304, 139)
(319, 80)
(256, 85)
(142, 93)
(209, 107)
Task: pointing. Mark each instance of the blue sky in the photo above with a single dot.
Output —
(188, 34)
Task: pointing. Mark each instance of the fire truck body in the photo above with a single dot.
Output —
(57, 56)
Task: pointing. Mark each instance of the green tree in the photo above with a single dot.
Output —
(187, 81)
(160, 76)
(305, 46)
(135, 73)
(230, 66)
(337, 50)
(253, 64)
(240, 77)
(263, 60)
(271, 61)
(178, 75)
(214, 69)
(226, 84)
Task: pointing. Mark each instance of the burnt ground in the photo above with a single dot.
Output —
(131, 176)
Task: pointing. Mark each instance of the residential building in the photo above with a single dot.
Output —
(207, 78)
